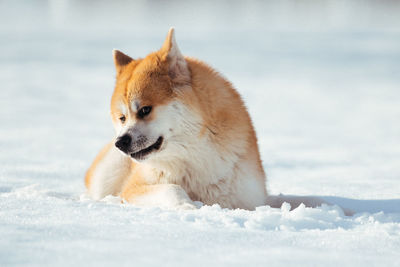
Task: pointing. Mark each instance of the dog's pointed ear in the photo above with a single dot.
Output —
(178, 68)
(120, 60)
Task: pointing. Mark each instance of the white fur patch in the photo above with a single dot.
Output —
(165, 196)
(109, 174)
(122, 108)
(250, 187)
(134, 106)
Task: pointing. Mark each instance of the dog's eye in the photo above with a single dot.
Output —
(122, 118)
(144, 111)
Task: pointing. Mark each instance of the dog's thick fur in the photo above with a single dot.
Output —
(208, 149)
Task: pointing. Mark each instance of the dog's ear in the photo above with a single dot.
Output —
(120, 60)
(177, 66)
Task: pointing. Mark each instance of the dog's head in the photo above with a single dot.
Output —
(144, 107)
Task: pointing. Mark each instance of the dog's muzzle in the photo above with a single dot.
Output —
(124, 143)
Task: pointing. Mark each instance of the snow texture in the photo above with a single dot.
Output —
(321, 82)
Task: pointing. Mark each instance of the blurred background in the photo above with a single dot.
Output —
(321, 80)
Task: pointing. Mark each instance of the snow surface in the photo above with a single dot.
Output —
(321, 81)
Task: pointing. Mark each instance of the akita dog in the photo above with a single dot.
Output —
(182, 134)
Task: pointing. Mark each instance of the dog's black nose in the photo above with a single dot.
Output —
(123, 143)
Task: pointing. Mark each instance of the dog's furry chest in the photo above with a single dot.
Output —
(206, 177)
(206, 186)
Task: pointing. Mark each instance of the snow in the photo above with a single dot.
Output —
(320, 81)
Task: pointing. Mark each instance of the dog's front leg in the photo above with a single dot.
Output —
(108, 172)
(137, 192)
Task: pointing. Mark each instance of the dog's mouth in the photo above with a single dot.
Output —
(140, 155)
